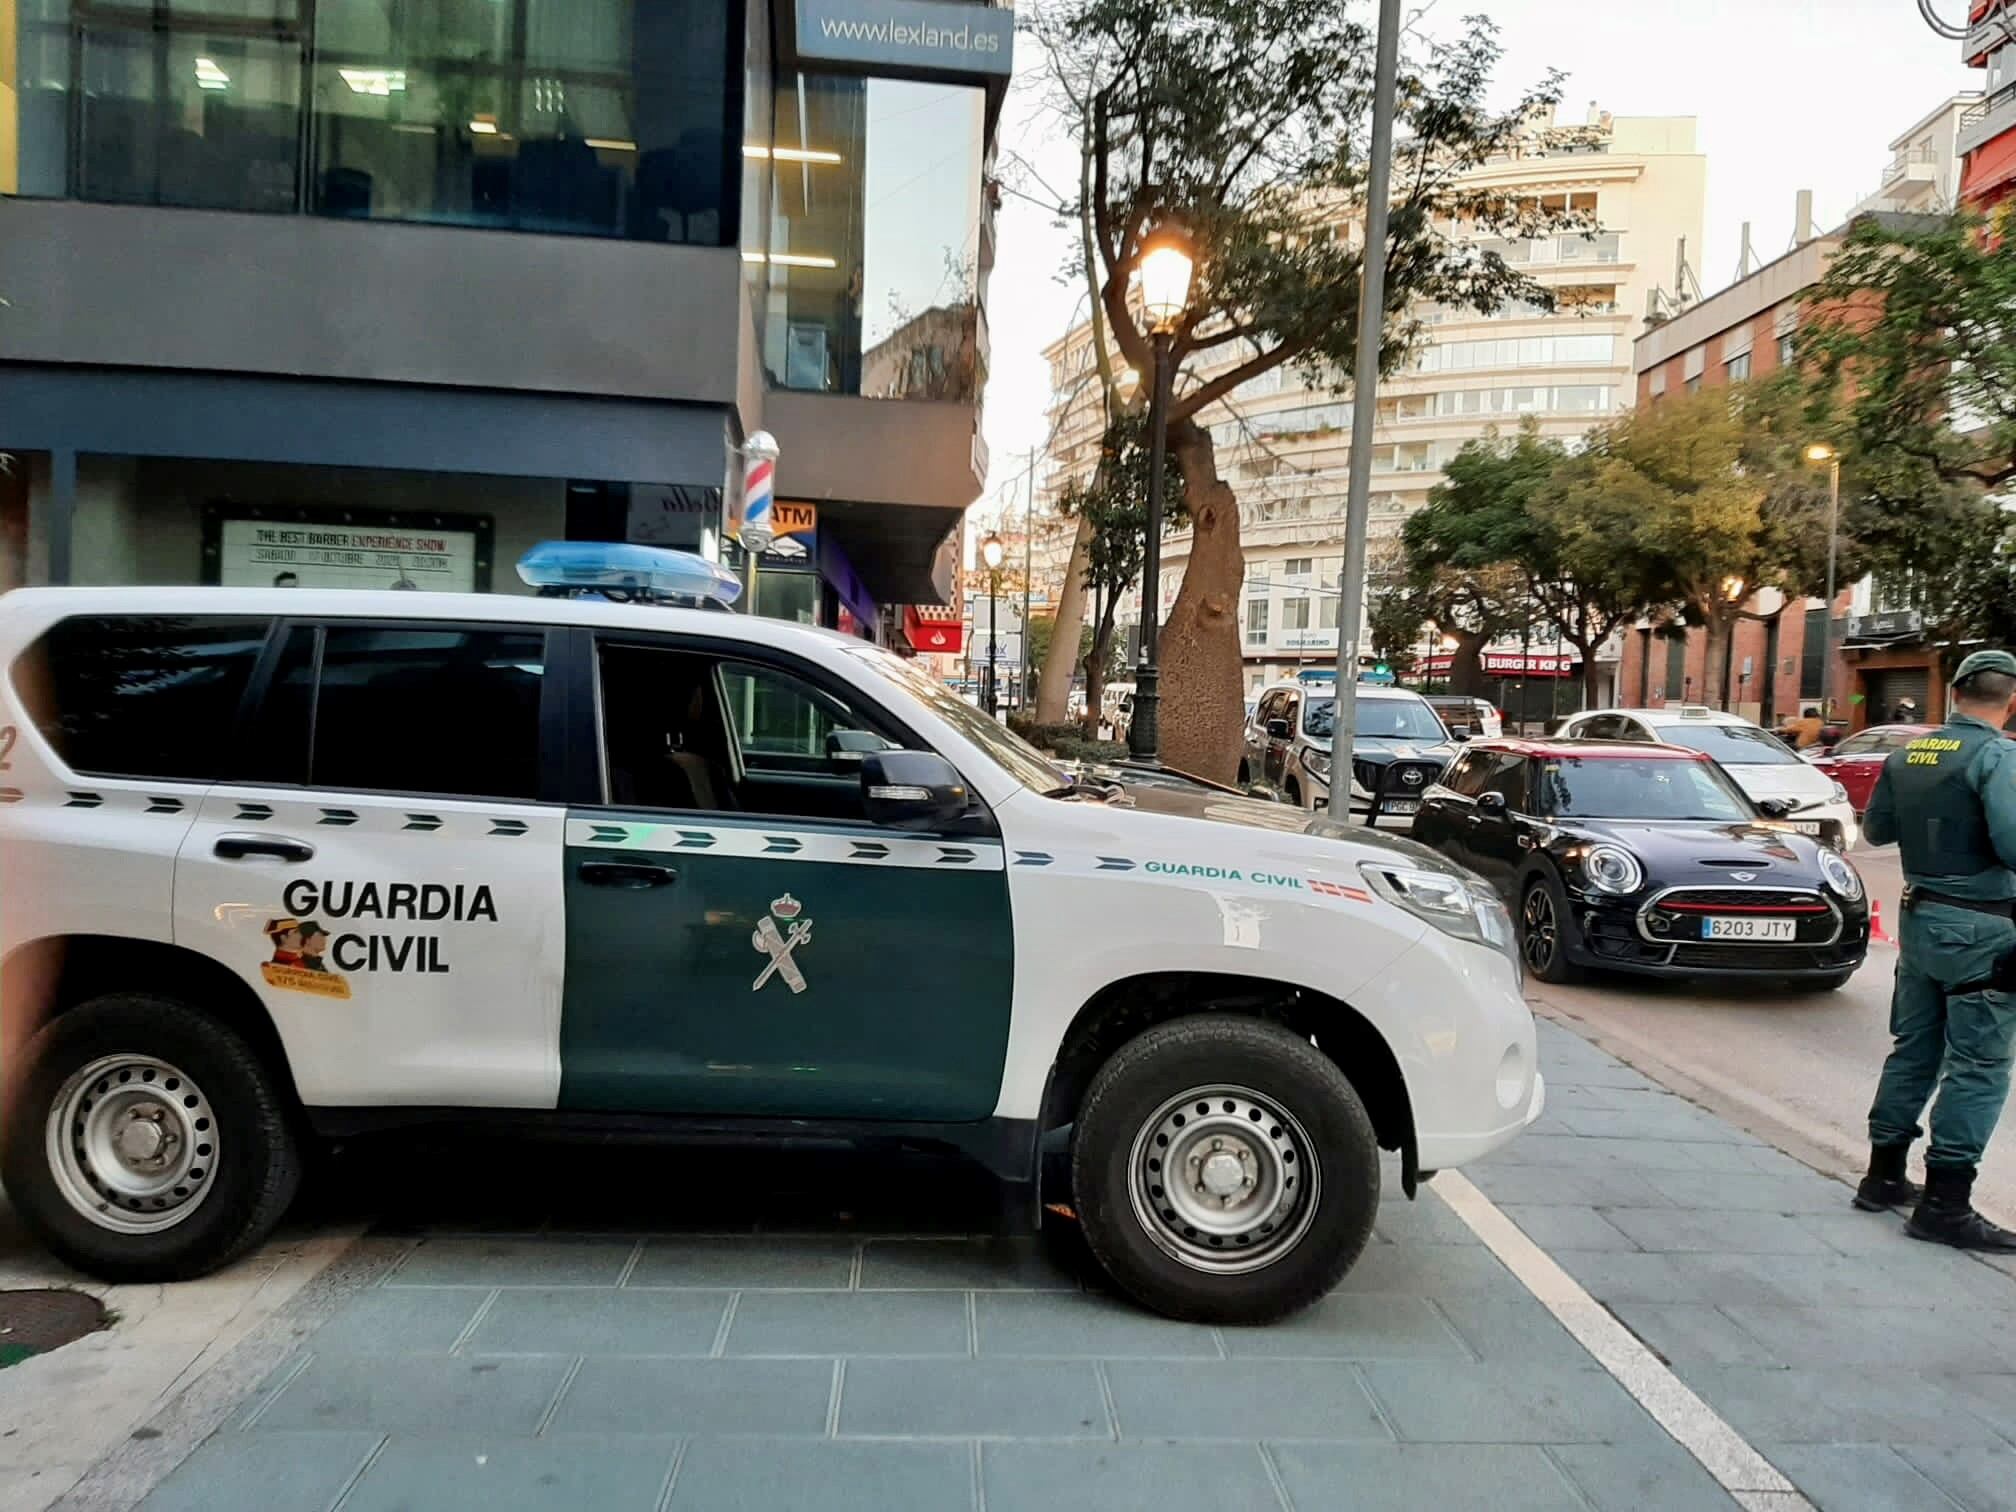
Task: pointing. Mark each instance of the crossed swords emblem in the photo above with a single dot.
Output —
(778, 945)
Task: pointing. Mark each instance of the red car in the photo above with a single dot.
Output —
(1857, 760)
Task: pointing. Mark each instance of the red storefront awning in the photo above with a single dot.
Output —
(934, 628)
(1511, 664)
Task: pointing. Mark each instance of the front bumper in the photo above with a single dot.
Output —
(1442, 1152)
(1612, 935)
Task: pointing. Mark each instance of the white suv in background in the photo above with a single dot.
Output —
(1761, 764)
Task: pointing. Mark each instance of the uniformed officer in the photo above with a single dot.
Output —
(1949, 801)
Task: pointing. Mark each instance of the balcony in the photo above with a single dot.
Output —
(1986, 120)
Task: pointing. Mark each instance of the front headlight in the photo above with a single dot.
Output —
(1467, 910)
(1840, 793)
(1612, 869)
(1840, 873)
(1317, 763)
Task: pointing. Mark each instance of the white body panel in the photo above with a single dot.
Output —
(441, 1011)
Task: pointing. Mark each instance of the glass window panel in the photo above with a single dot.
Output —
(873, 246)
(598, 117)
(188, 117)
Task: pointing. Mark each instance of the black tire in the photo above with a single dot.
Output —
(251, 1178)
(1542, 940)
(1286, 1075)
(1245, 774)
(1293, 792)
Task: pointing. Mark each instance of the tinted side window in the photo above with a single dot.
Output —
(1507, 776)
(133, 696)
(425, 710)
(1603, 727)
(1466, 773)
(1861, 745)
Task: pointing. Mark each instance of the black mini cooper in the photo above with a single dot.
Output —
(1645, 858)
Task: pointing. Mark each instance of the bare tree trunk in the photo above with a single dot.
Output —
(1053, 694)
(1714, 675)
(1466, 663)
(1203, 676)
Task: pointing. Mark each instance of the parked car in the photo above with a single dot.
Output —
(1857, 761)
(1401, 748)
(295, 864)
(1646, 858)
(1761, 764)
(1467, 717)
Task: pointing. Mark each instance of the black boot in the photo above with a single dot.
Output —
(1886, 1186)
(1946, 1214)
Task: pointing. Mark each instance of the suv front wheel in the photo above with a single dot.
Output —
(145, 1141)
(1224, 1170)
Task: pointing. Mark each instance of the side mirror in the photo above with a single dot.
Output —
(1491, 803)
(848, 747)
(1278, 729)
(911, 789)
(1775, 808)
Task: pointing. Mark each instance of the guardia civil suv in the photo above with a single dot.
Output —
(282, 864)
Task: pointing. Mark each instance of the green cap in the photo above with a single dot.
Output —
(1986, 661)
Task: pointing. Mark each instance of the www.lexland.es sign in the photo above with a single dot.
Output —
(908, 33)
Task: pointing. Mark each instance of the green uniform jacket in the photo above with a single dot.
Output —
(1992, 775)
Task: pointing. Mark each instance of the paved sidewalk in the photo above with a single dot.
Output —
(558, 1363)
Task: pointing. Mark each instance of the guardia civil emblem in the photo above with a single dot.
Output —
(778, 944)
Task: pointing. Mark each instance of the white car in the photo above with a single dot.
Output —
(1761, 764)
(279, 865)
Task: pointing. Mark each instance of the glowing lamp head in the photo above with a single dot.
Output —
(992, 551)
(1166, 268)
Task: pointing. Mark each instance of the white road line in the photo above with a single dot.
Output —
(1724, 1453)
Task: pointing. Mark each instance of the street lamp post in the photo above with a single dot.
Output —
(1827, 454)
(1166, 266)
(991, 552)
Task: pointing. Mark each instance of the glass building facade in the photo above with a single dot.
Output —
(595, 117)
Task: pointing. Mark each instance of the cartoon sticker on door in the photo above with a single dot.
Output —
(299, 946)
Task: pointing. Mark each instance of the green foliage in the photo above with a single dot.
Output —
(1067, 742)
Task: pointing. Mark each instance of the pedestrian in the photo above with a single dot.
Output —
(1948, 799)
(1805, 730)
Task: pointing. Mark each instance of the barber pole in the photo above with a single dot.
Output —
(759, 491)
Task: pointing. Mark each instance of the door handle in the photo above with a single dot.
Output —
(1475, 818)
(626, 874)
(244, 847)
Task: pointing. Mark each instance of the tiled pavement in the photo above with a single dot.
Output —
(554, 1368)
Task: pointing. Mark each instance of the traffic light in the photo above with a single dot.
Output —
(1381, 669)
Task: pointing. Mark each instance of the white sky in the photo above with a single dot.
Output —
(1790, 95)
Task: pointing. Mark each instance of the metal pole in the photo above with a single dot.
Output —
(1024, 662)
(1364, 391)
(993, 652)
(1827, 619)
(1144, 735)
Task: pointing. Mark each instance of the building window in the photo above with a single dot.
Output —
(1256, 622)
(1295, 614)
(1326, 612)
(875, 211)
(1658, 380)
(1299, 566)
(599, 117)
(1738, 368)
(1784, 351)
(1694, 384)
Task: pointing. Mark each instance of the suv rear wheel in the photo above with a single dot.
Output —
(145, 1141)
(1224, 1170)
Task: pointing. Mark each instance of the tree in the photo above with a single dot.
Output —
(1394, 619)
(1244, 122)
(1702, 499)
(1912, 332)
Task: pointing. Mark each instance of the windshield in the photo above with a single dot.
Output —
(1378, 719)
(1610, 787)
(1023, 762)
(1734, 745)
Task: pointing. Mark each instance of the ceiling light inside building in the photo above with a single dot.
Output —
(611, 144)
(210, 76)
(790, 260)
(789, 154)
(483, 126)
(374, 81)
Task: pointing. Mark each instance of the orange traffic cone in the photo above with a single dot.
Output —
(1876, 930)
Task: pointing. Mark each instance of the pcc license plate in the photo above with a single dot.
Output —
(1401, 806)
(1725, 927)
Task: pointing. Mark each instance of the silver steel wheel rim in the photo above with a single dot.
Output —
(1540, 929)
(1249, 1179)
(132, 1143)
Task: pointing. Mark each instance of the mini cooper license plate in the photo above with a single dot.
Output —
(1727, 927)
(1804, 826)
(1401, 806)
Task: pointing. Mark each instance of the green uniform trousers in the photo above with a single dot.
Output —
(1959, 1046)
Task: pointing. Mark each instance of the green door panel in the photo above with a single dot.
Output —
(891, 1000)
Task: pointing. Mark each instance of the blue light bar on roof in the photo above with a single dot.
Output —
(628, 571)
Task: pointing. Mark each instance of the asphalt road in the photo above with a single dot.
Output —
(1796, 1069)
